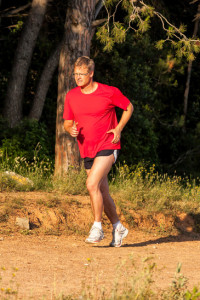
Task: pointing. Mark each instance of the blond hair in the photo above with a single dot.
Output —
(85, 60)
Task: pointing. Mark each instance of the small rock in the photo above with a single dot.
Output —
(1, 239)
(23, 223)
(18, 178)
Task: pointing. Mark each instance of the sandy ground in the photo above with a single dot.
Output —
(43, 266)
(49, 266)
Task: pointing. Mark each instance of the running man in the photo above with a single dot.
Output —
(89, 115)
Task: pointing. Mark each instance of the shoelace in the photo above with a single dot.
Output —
(92, 230)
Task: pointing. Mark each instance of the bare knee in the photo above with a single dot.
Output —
(91, 185)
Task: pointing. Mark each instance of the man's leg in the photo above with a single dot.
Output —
(109, 205)
(119, 231)
(96, 176)
(97, 184)
(100, 168)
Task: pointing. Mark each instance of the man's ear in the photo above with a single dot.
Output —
(91, 74)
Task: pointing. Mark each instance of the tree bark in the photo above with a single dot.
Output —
(78, 34)
(22, 60)
(44, 83)
(189, 72)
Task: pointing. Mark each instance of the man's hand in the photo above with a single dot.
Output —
(73, 130)
(117, 135)
(124, 119)
(71, 127)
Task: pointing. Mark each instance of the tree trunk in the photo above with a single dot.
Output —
(78, 34)
(22, 60)
(189, 71)
(44, 83)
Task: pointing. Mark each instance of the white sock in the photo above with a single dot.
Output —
(116, 224)
(97, 224)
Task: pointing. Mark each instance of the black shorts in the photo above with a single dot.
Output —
(88, 161)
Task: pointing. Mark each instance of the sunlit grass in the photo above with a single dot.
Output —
(146, 188)
(72, 183)
(23, 175)
(140, 186)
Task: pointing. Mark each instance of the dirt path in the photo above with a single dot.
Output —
(45, 266)
(49, 266)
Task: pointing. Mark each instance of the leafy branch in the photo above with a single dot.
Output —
(138, 18)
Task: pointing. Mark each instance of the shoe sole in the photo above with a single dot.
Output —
(93, 242)
(119, 245)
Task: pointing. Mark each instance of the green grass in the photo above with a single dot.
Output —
(147, 189)
(136, 187)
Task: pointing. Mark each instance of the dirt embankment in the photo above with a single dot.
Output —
(50, 213)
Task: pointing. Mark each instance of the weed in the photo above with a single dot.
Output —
(74, 201)
(26, 175)
(4, 216)
(25, 232)
(145, 189)
(9, 287)
(52, 231)
(178, 289)
(73, 183)
(40, 202)
(73, 229)
(12, 204)
(53, 202)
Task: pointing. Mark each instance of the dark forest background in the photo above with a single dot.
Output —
(154, 80)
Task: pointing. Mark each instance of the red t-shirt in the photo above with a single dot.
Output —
(95, 114)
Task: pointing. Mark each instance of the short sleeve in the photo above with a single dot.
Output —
(68, 113)
(118, 99)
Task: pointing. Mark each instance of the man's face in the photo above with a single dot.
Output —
(82, 76)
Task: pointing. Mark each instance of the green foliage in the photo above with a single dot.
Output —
(13, 181)
(147, 11)
(159, 44)
(138, 18)
(192, 295)
(178, 289)
(144, 25)
(183, 28)
(104, 37)
(72, 183)
(17, 27)
(26, 151)
(145, 188)
(118, 32)
(28, 141)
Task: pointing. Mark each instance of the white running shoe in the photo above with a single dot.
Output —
(118, 235)
(96, 235)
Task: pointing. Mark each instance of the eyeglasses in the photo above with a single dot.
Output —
(80, 74)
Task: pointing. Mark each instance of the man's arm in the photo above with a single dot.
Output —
(124, 119)
(70, 127)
